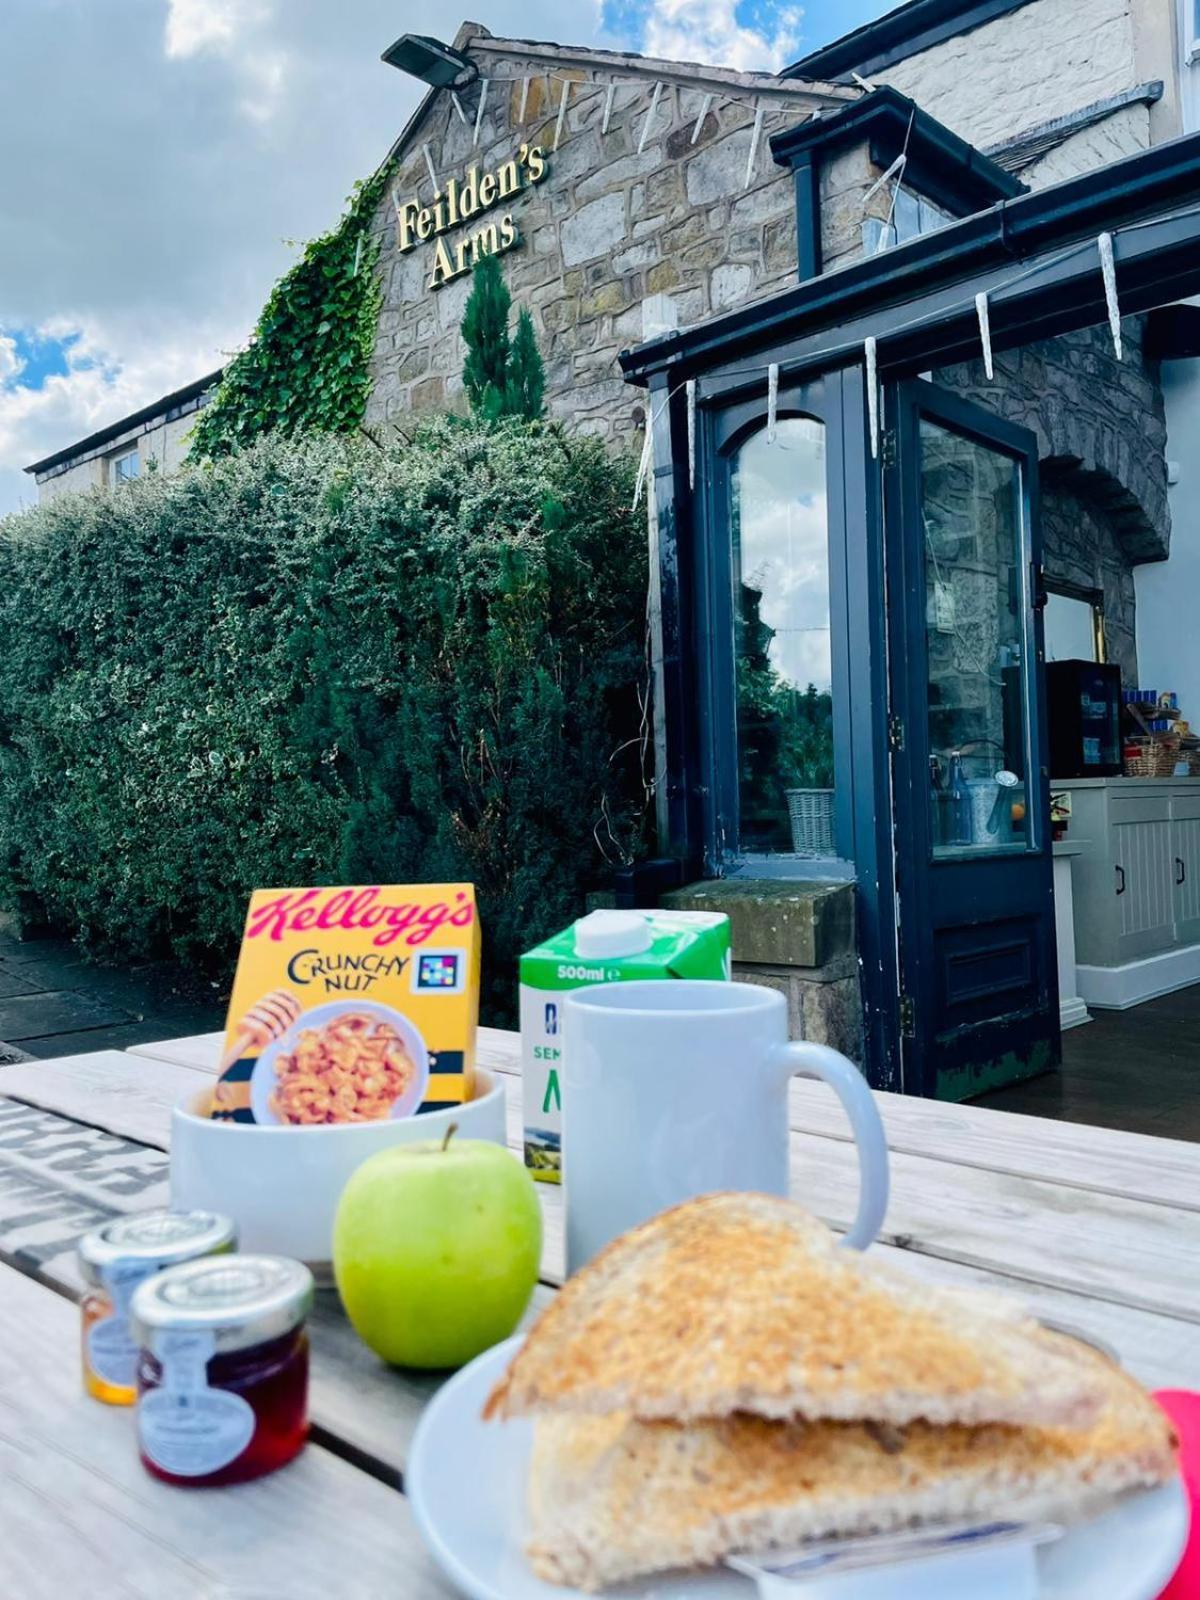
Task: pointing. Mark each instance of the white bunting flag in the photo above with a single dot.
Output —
(1108, 267)
(458, 106)
(985, 333)
(691, 427)
(524, 100)
(358, 250)
(644, 463)
(562, 112)
(650, 114)
(705, 108)
(772, 400)
(608, 108)
(755, 139)
(433, 177)
(894, 171)
(483, 94)
(871, 353)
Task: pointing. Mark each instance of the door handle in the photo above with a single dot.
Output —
(1180, 871)
(1120, 872)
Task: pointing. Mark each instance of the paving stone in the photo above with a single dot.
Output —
(16, 982)
(40, 1015)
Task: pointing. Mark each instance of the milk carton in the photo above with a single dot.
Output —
(605, 947)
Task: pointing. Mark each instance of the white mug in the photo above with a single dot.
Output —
(678, 1087)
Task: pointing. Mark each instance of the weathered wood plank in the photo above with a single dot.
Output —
(1130, 1252)
(108, 1089)
(201, 1050)
(1135, 1165)
(80, 1515)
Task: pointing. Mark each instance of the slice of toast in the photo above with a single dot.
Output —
(744, 1302)
(612, 1498)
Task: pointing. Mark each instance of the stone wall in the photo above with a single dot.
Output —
(1037, 62)
(616, 244)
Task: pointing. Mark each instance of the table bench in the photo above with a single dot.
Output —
(1095, 1229)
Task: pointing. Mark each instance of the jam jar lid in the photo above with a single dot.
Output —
(155, 1239)
(239, 1300)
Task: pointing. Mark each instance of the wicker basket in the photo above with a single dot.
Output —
(1159, 760)
(811, 814)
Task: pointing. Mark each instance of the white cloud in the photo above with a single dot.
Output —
(152, 218)
(197, 25)
(11, 364)
(708, 31)
(97, 388)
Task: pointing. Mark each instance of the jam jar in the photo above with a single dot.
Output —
(114, 1259)
(223, 1371)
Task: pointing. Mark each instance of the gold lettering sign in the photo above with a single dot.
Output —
(461, 202)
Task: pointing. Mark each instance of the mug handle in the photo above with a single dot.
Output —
(803, 1059)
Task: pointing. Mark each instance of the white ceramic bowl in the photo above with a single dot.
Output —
(281, 1185)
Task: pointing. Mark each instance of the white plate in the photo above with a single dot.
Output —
(466, 1483)
(263, 1081)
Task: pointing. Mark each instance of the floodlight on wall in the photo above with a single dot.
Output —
(432, 61)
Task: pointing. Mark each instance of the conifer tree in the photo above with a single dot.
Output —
(485, 331)
(525, 384)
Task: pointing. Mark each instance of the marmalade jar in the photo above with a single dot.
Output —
(223, 1372)
(114, 1259)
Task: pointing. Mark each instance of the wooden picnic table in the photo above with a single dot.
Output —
(1097, 1230)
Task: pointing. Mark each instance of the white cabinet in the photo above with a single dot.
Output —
(1185, 865)
(1136, 883)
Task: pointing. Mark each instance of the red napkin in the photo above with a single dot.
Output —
(1183, 1408)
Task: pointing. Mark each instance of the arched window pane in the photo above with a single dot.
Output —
(779, 522)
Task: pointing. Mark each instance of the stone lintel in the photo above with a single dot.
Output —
(778, 922)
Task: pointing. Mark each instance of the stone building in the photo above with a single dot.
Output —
(154, 439)
(653, 211)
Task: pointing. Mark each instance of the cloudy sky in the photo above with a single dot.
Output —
(160, 154)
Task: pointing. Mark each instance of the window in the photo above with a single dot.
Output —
(1073, 622)
(780, 534)
(912, 216)
(123, 468)
(976, 555)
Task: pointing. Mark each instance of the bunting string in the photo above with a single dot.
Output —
(773, 371)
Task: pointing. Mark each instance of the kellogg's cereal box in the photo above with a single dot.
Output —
(352, 1005)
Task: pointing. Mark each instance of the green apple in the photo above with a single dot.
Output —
(436, 1249)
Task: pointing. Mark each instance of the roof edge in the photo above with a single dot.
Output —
(114, 430)
(904, 32)
(948, 167)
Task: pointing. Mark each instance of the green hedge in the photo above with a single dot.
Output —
(317, 662)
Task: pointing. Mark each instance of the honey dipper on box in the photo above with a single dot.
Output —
(268, 1020)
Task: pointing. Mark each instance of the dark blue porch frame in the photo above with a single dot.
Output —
(918, 302)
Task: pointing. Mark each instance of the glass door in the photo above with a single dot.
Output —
(774, 638)
(979, 1000)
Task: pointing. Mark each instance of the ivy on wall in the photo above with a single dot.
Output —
(307, 365)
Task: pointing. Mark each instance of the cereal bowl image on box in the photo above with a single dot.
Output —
(348, 1061)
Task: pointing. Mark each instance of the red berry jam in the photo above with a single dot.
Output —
(223, 1370)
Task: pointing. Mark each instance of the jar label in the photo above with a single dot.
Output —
(112, 1352)
(186, 1427)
